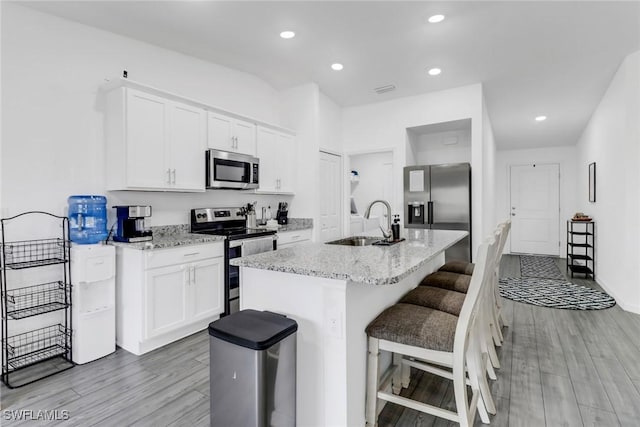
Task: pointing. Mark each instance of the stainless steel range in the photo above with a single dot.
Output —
(240, 241)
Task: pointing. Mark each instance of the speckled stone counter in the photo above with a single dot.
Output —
(169, 236)
(294, 224)
(375, 265)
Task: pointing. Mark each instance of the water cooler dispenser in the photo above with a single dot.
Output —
(94, 303)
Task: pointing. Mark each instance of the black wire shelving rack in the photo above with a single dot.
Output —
(21, 352)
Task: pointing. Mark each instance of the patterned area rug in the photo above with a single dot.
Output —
(554, 294)
(539, 266)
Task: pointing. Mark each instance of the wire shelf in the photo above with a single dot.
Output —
(36, 253)
(38, 345)
(38, 299)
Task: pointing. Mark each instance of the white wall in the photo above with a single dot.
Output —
(611, 139)
(430, 150)
(299, 111)
(384, 124)
(565, 156)
(52, 138)
(329, 124)
(488, 178)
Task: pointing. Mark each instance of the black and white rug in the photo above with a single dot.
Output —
(554, 293)
(539, 266)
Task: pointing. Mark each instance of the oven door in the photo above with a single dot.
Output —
(237, 249)
(231, 170)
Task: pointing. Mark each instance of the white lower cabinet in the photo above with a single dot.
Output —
(287, 239)
(166, 294)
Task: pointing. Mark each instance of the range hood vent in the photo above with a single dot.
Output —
(383, 89)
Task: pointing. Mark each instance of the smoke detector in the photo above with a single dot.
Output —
(383, 89)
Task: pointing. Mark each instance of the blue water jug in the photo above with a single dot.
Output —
(87, 219)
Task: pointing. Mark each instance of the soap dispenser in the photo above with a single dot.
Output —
(395, 228)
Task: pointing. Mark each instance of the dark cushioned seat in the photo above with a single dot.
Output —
(445, 280)
(460, 267)
(435, 298)
(416, 326)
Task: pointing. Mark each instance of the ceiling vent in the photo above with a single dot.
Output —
(383, 89)
(450, 140)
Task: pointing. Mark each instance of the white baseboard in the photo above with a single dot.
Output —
(626, 306)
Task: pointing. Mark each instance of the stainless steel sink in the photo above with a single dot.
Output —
(355, 241)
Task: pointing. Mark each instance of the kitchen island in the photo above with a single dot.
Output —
(333, 292)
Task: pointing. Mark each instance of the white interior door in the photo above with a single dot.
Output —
(535, 209)
(330, 197)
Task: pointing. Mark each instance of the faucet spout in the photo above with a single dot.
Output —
(386, 233)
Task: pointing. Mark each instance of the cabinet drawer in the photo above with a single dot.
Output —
(293, 236)
(163, 257)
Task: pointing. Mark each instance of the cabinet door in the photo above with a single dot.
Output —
(220, 132)
(147, 141)
(187, 147)
(206, 288)
(286, 155)
(267, 153)
(245, 137)
(165, 299)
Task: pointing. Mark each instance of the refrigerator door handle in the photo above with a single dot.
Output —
(429, 212)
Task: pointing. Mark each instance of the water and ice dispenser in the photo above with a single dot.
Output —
(416, 213)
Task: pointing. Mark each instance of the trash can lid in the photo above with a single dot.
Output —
(257, 330)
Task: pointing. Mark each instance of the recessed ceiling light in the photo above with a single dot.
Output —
(337, 66)
(436, 18)
(434, 71)
(541, 118)
(287, 34)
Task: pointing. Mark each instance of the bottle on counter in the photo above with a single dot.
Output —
(268, 214)
(395, 227)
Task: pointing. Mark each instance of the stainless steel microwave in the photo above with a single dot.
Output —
(232, 170)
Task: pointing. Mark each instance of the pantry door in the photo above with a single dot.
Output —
(330, 196)
(535, 209)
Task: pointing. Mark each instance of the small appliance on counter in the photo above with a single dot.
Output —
(130, 227)
(282, 213)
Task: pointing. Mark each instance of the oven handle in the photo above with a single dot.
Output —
(236, 243)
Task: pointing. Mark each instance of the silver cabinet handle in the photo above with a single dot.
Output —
(513, 214)
(174, 175)
(169, 176)
(192, 254)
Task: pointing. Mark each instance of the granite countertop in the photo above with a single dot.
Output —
(375, 265)
(294, 224)
(169, 236)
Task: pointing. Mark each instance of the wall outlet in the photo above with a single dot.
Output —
(334, 323)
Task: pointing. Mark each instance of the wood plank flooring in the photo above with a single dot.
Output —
(559, 368)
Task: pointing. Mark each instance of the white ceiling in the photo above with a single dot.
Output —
(533, 58)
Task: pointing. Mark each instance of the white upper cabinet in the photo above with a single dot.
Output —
(153, 143)
(276, 151)
(188, 136)
(231, 134)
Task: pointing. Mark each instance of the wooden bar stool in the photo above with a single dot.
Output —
(437, 342)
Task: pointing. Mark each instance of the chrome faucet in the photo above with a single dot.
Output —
(386, 233)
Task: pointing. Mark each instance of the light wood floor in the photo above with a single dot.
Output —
(559, 367)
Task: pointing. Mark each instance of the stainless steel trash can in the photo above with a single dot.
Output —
(253, 370)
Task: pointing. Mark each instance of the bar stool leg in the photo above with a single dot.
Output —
(396, 383)
(373, 372)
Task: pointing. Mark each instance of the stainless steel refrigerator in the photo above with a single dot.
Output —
(439, 197)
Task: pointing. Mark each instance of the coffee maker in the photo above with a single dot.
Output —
(131, 224)
(282, 214)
